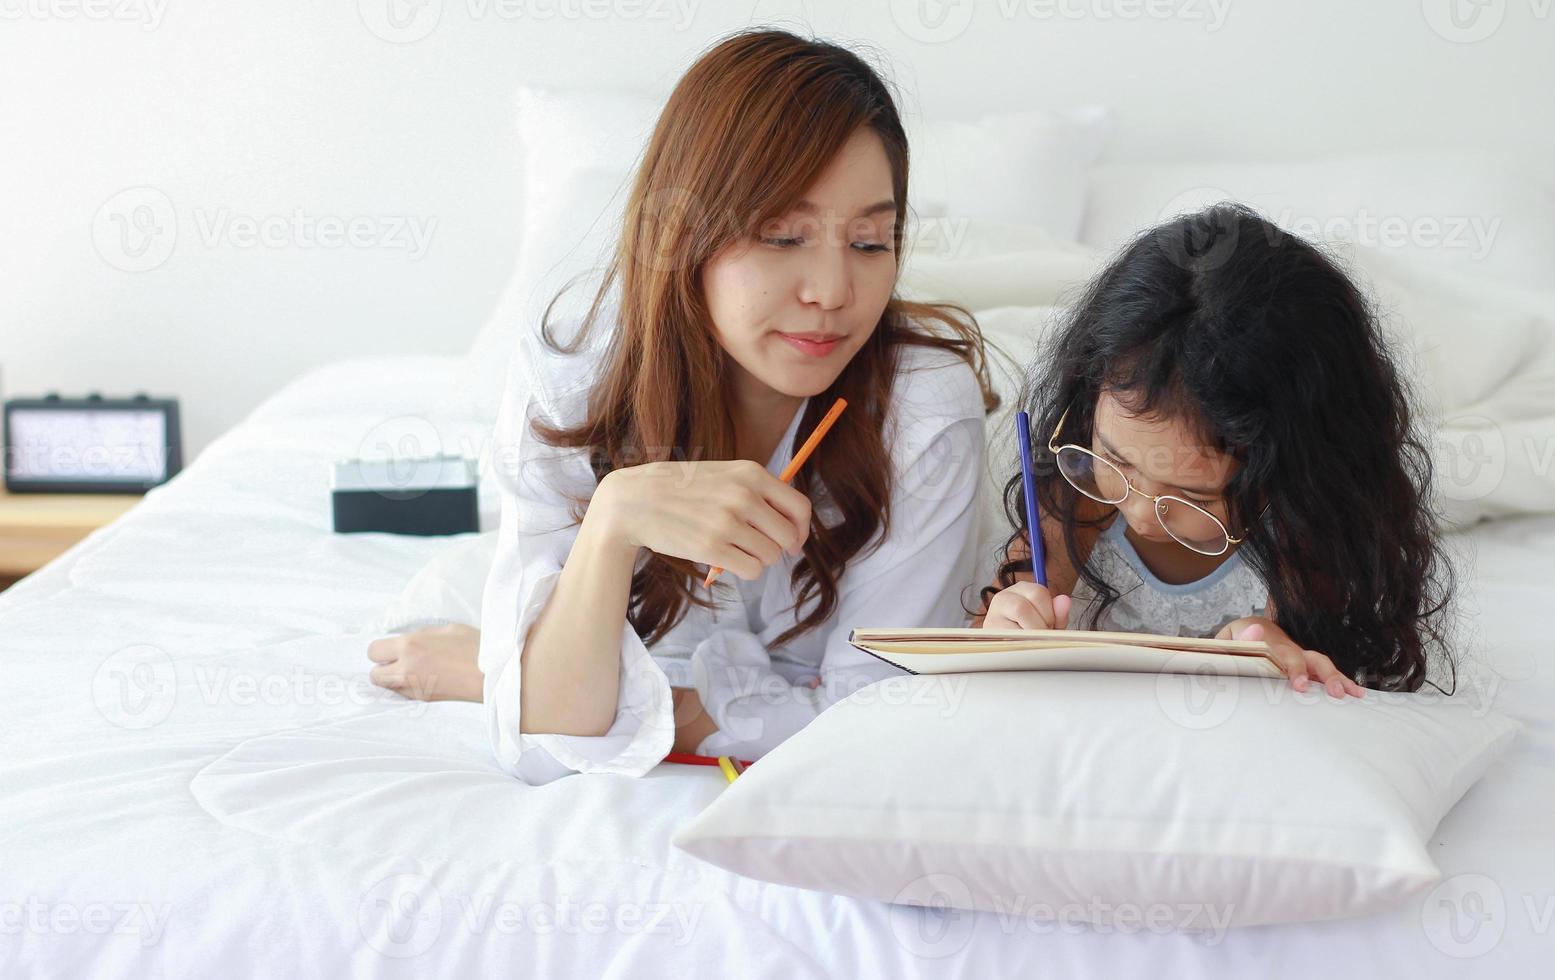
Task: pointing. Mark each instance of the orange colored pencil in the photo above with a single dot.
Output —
(792, 469)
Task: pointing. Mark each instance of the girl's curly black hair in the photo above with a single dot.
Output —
(1258, 341)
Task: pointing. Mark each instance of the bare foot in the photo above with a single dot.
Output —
(438, 664)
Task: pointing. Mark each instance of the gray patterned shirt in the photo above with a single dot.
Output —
(1149, 605)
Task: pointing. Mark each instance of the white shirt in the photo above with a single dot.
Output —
(758, 695)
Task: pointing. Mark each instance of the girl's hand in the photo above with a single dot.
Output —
(731, 513)
(1299, 665)
(1027, 606)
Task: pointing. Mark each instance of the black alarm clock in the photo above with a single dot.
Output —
(91, 445)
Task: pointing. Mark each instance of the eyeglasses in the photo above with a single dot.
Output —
(1189, 524)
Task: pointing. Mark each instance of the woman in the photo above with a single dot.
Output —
(753, 285)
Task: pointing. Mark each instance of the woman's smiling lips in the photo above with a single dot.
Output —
(812, 344)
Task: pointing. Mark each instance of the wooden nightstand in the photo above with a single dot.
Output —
(35, 528)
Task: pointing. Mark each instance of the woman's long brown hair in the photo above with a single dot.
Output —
(746, 132)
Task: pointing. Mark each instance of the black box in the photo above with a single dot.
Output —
(424, 496)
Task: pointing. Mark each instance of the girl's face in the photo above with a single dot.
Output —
(1160, 456)
(793, 306)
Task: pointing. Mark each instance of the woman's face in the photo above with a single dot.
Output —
(793, 306)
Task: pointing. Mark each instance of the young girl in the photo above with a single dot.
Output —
(753, 285)
(1223, 448)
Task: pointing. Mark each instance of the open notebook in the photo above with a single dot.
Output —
(954, 651)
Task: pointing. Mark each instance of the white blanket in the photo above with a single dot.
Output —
(197, 779)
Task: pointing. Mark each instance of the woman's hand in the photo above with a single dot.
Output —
(730, 513)
(439, 664)
(1027, 606)
(692, 722)
(1300, 665)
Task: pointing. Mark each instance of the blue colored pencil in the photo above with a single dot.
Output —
(1033, 515)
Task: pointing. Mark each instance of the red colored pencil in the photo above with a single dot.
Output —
(687, 759)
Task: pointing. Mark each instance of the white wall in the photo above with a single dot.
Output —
(292, 113)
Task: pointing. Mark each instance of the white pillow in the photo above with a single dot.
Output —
(1088, 794)
(580, 150)
(980, 265)
(1477, 213)
(1028, 167)
(1472, 338)
(1481, 356)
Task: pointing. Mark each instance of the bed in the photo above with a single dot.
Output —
(197, 778)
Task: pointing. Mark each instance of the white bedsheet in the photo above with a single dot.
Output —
(197, 779)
